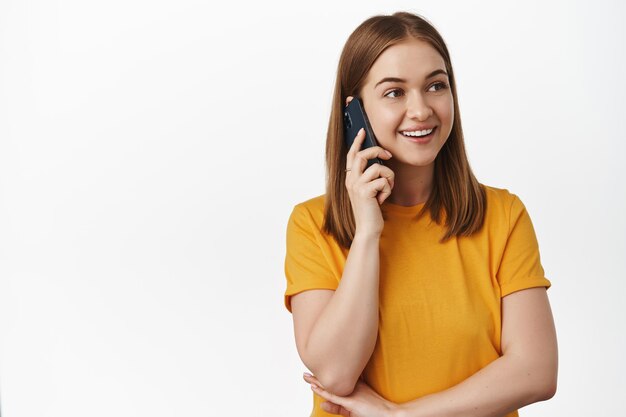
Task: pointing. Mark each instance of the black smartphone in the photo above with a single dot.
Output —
(354, 118)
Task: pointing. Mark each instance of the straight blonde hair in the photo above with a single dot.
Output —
(457, 199)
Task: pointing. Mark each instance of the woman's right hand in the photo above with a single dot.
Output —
(367, 189)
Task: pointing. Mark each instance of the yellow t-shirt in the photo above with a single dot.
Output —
(440, 303)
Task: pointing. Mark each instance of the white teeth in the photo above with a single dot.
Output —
(417, 133)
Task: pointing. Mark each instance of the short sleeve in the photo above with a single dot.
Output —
(306, 266)
(520, 266)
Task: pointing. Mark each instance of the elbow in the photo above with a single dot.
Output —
(547, 388)
(545, 394)
(551, 378)
(542, 376)
(340, 385)
(337, 381)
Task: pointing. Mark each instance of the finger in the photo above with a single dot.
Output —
(373, 152)
(333, 408)
(345, 403)
(312, 380)
(376, 186)
(384, 193)
(359, 162)
(377, 170)
(348, 99)
(328, 395)
(356, 145)
(379, 185)
(354, 149)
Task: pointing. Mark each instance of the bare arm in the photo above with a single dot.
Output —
(338, 341)
(524, 374)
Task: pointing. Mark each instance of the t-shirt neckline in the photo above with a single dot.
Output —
(402, 210)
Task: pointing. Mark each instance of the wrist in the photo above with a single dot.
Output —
(366, 236)
(396, 410)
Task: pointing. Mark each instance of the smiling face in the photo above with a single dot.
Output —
(407, 89)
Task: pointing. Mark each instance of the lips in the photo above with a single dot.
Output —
(421, 139)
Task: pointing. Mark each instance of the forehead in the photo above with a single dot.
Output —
(410, 59)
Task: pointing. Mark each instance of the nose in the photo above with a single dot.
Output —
(418, 108)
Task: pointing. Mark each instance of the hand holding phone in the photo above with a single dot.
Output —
(368, 187)
(355, 118)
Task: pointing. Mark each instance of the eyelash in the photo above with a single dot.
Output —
(442, 84)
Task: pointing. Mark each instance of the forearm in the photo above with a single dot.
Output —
(505, 385)
(343, 337)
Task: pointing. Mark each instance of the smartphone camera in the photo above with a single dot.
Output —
(347, 120)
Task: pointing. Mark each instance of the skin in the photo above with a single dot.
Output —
(395, 106)
(530, 358)
(363, 402)
(529, 343)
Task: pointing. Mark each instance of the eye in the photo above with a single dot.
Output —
(442, 86)
(393, 91)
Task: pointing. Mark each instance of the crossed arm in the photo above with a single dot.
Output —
(525, 373)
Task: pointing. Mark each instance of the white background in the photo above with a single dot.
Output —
(151, 153)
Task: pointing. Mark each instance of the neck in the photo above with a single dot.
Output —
(412, 184)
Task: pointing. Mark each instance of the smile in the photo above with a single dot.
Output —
(420, 136)
(418, 133)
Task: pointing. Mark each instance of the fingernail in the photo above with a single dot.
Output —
(361, 130)
(307, 374)
(388, 153)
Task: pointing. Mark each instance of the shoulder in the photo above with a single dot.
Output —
(501, 200)
(310, 211)
(499, 197)
(314, 204)
(503, 207)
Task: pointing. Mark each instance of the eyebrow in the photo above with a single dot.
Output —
(401, 80)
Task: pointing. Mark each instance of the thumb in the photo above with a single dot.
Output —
(333, 408)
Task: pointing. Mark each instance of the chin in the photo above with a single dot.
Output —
(419, 162)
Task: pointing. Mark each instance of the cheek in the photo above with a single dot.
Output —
(384, 120)
(446, 117)
(446, 111)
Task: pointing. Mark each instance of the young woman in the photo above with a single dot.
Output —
(414, 289)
